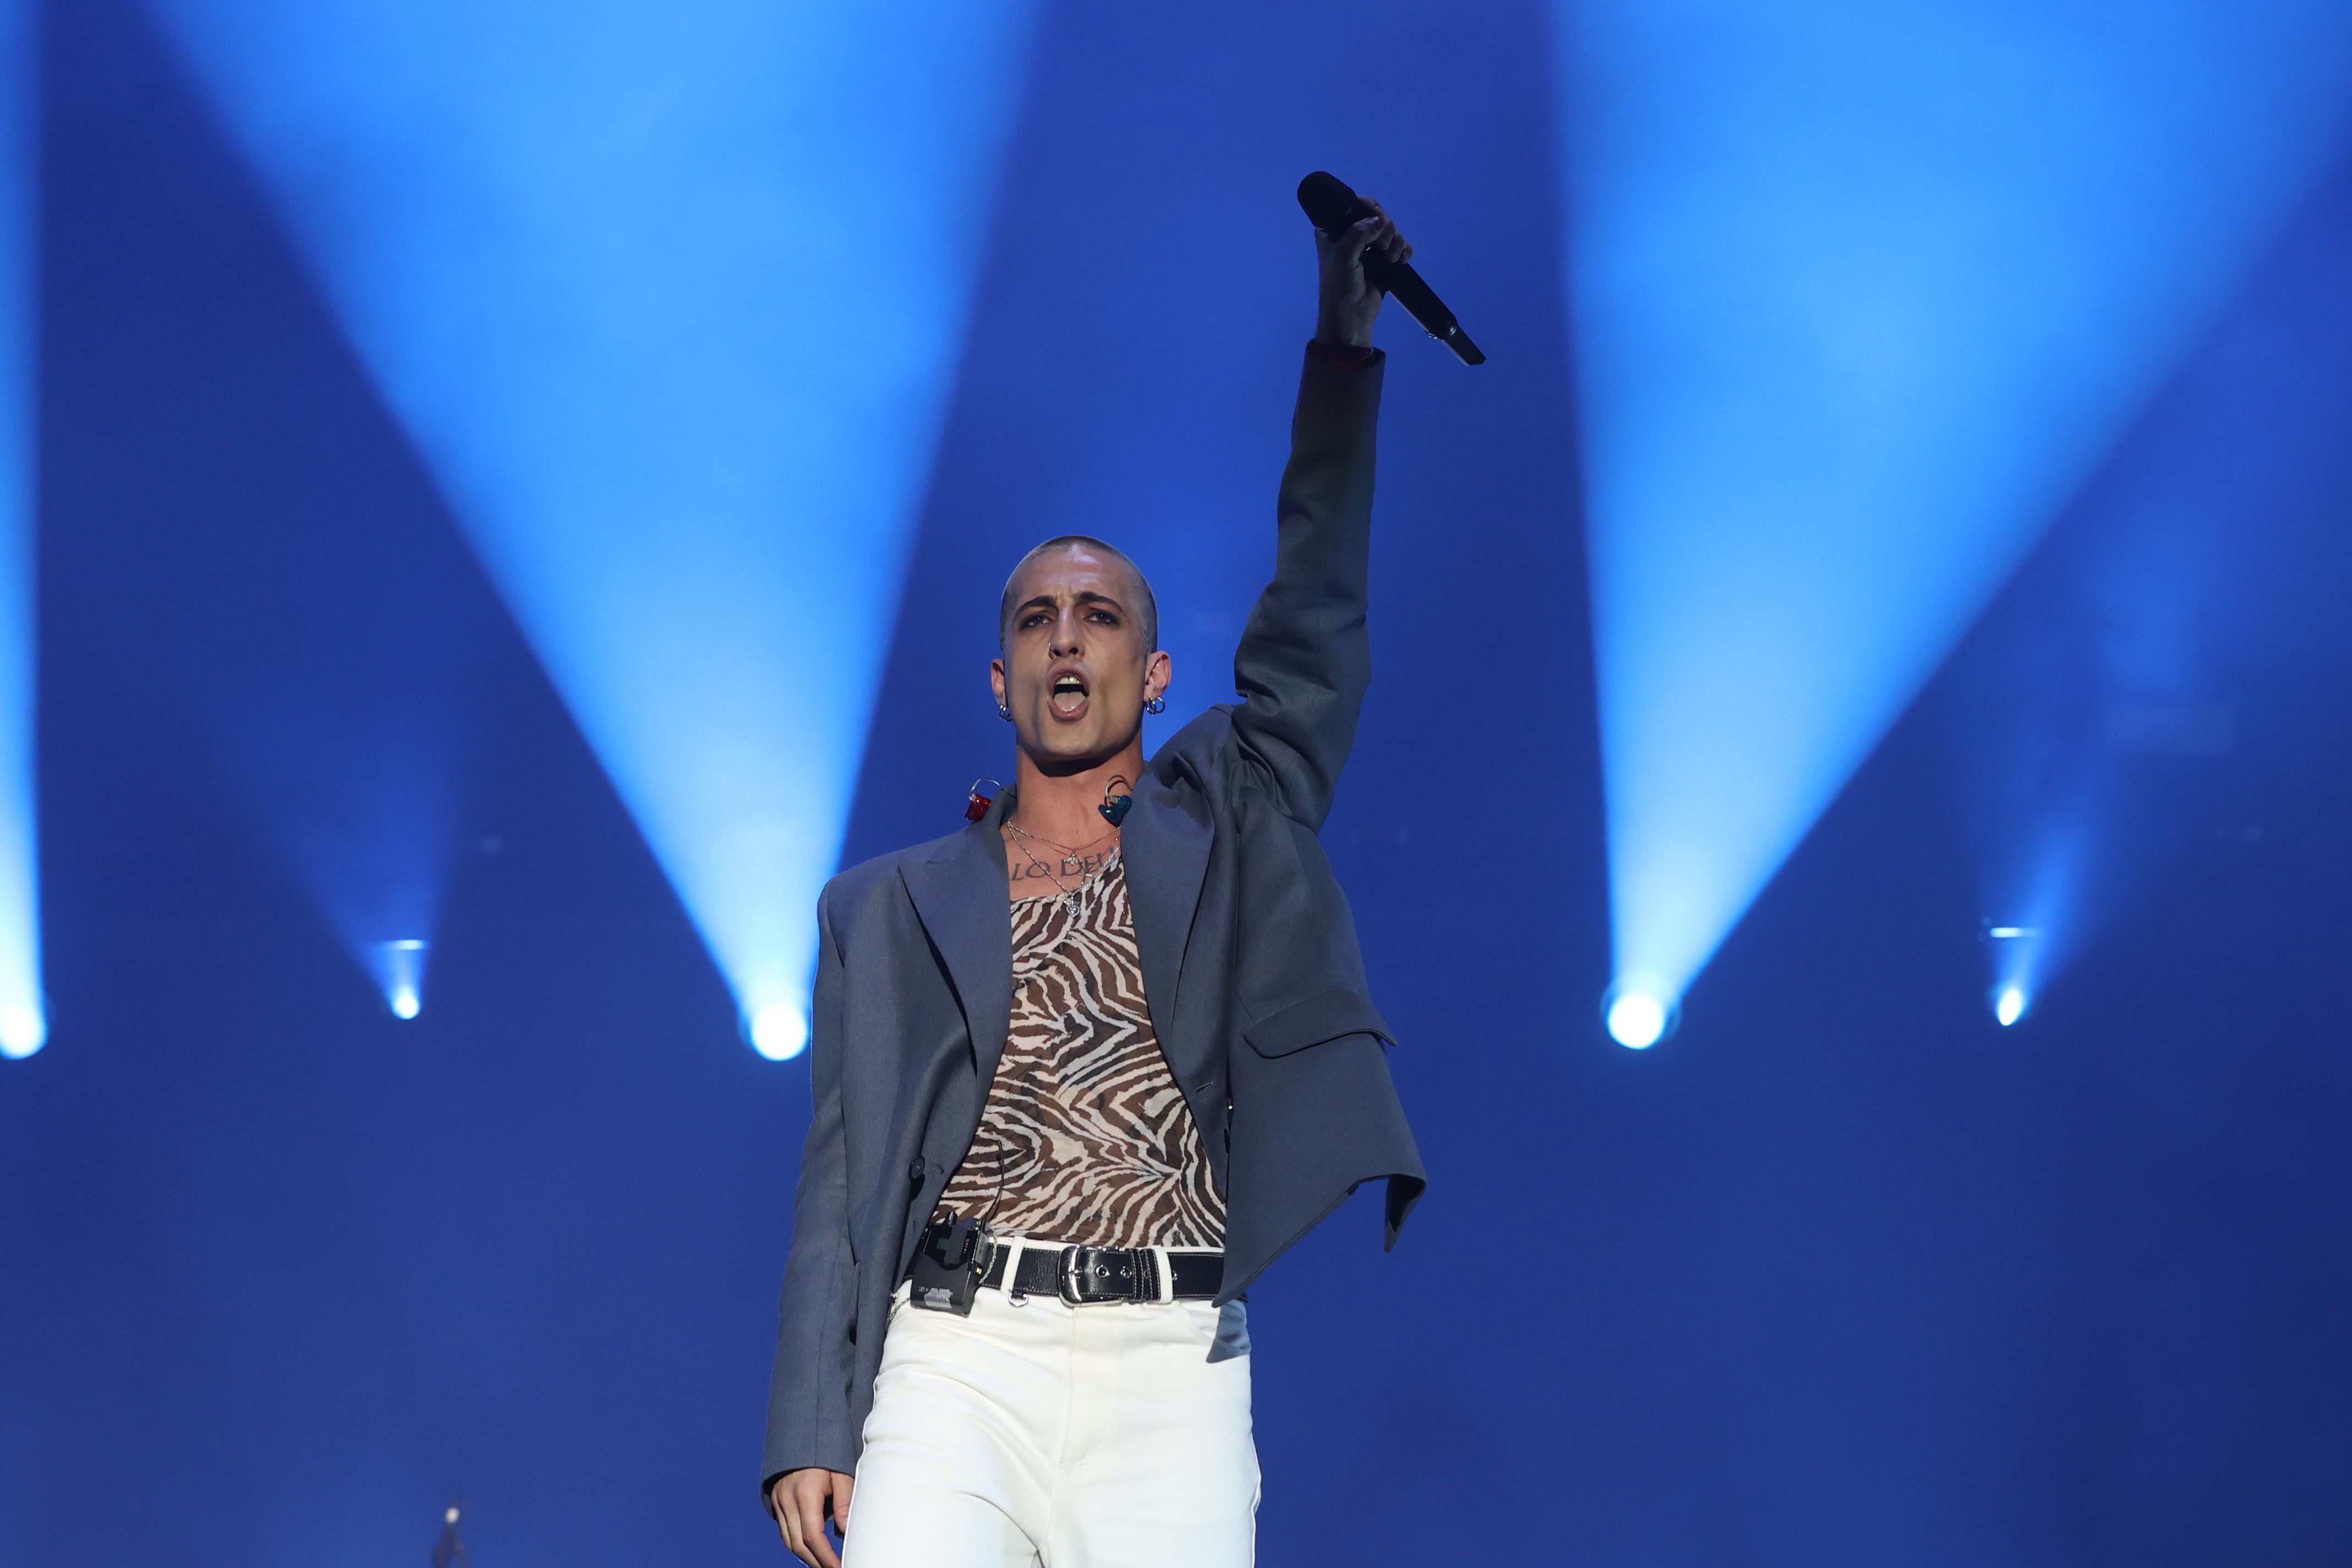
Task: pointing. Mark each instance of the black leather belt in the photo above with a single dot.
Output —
(1081, 1275)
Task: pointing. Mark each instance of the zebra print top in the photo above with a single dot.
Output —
(1085, 1138)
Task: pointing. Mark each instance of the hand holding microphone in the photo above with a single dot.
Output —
(1350, 299)
(1382, 262)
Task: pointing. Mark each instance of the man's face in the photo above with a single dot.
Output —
(1076, 673)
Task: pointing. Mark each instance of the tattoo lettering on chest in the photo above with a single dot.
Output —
(1068, 867)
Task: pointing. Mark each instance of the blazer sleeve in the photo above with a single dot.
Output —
(1305, 656)
(809, 1393)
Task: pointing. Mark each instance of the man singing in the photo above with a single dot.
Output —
(1084, 1070)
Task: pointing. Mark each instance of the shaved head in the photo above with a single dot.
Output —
(1147, 607)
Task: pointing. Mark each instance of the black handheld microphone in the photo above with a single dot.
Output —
(1331, 207)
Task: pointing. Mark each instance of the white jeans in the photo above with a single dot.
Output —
(1048, 1435)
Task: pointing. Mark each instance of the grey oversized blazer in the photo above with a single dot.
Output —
(1250, 967)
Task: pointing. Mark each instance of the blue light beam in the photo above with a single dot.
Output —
(1860, 294)
(399, 969)
(2016, 952)
(23, 1016)
(365, 816)
(2089, 718)
(670, 296)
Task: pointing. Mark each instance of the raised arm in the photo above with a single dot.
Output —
(1305, 658)
(811, 1450)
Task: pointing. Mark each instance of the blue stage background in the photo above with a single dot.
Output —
(1841, 1274)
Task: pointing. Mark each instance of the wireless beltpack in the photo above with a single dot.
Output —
(948, 1262)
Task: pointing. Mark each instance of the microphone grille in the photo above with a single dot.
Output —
(1328, 203)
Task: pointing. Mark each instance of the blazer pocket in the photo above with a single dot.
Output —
(1326, 1016)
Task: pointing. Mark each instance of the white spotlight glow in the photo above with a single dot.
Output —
(399, 968)
(779, 1032)
(23, 1031)
(2018, 955)
(1638, 1015)
(24, 1025)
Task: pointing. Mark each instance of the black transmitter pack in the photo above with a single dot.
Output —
(948, 1262)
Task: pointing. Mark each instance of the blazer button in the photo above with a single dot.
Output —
(915, 1172)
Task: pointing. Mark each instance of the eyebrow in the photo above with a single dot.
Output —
(1046, 601)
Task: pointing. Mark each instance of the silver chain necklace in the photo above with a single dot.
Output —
(1073, 861)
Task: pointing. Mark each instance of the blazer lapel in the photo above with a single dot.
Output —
(960, 896)
(1167, 856)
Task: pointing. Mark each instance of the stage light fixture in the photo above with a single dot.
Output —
(780, 1031)
(1638, 1014)
(23, 1031)
(23, 1014)
(2018, 951)
(670, 297)
(1858, 298)
(400, 971)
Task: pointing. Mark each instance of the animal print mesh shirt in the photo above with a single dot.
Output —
(1085, 1138)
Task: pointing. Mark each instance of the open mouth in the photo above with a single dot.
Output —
(1068, 696)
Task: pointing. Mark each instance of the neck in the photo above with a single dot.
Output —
(1062, 803)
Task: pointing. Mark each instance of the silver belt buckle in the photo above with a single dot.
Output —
(1092, 1275)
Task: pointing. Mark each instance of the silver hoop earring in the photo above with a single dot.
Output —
(1156, 705)
(1004, 714)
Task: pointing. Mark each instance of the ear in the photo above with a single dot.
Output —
(996, 679)
(1158, 671)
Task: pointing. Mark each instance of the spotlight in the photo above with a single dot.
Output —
(582, 276)
(400, 968)
(1812, 449)
(1638, 1014)
(779, 1031)
(24, 1025)
(2017, 954)
(23, 1031)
